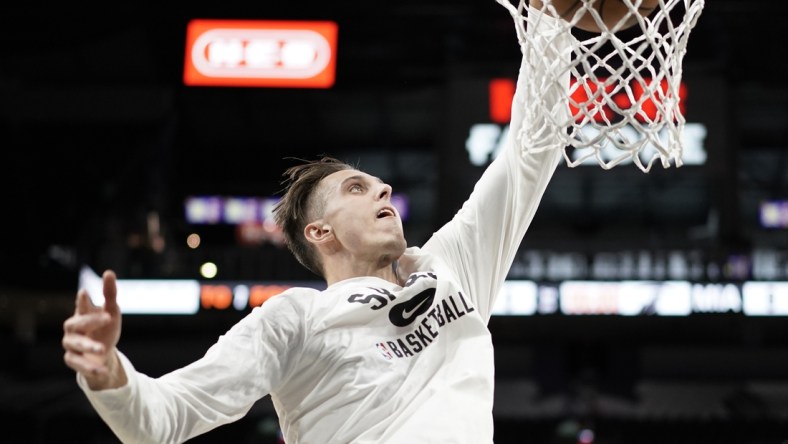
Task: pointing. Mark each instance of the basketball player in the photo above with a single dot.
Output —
(395, 350)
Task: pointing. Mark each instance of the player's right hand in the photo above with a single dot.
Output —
(90, 336)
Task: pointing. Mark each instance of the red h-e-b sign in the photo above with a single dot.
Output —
(261, 53)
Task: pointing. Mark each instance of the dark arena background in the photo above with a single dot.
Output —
(641, 308)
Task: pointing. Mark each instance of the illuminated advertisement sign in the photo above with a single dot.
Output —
(485, 139)
(238, 210)
(260, 53)
(516, 297)
(501, 91)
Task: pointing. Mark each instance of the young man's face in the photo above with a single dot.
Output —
(359, 211)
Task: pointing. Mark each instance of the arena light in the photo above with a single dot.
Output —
(774, 213)
(260, 53)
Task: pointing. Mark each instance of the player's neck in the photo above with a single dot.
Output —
(337, 271)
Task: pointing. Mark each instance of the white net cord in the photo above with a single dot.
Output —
(624, 97)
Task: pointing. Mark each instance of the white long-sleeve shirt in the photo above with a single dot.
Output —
(365, 360)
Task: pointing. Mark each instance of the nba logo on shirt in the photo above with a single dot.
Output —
(384, 350)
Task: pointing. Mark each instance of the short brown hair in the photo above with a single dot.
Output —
(299, 206)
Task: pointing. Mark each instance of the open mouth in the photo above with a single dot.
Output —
(385, 212)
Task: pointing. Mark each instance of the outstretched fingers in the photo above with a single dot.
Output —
(87, 319)
(83, 356)
(110, 292)
(91, 334)
(83, 303)
(83, 353)
(86, 322)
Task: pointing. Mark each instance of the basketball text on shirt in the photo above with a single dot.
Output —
(405, 313)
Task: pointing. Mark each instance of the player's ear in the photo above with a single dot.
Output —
(318, 232)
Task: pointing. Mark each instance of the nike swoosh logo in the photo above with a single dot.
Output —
(406, 312)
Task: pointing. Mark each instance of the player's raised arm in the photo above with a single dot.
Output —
(90, 336)
(485, 234)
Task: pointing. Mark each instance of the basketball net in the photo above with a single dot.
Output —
(624, 93)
